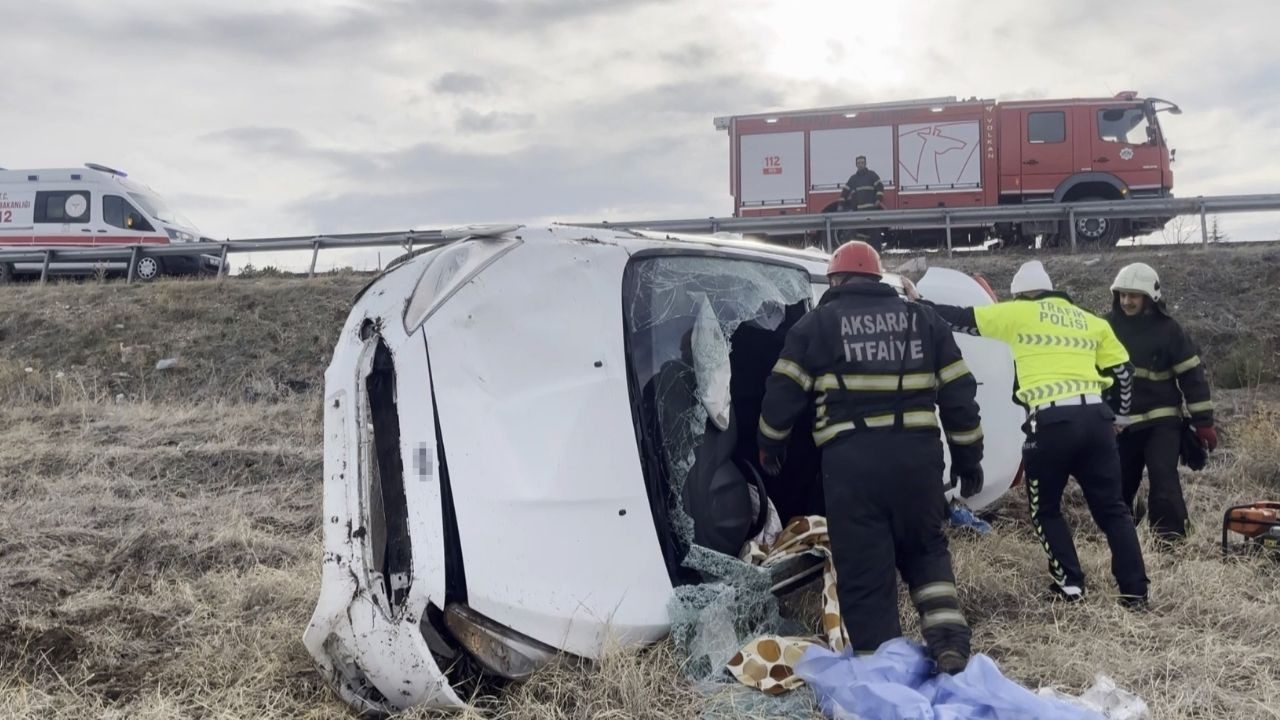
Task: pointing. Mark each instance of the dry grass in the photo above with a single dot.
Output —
(159, 556)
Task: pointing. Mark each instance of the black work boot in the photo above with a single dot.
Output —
(950, 662)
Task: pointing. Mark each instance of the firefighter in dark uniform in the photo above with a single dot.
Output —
(864, 191)
(1058, 352)
(1167, 373)
(874, 366)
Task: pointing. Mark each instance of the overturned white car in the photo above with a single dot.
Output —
(525, 431)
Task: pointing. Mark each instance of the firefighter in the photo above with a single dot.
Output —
(1058, 352)
(874, 366)
(863, 191)
(1167, 372)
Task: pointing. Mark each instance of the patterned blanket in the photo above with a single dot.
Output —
(768, 663)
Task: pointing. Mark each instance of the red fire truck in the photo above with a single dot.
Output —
(943, 152)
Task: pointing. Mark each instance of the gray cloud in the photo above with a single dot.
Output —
(433, 185)
(473, 121)
(461, 83)
(691, 56)
(288, 144)
(528, 15)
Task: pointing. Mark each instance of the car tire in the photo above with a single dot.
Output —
(148, 268)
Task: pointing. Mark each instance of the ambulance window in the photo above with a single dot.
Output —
(62, 206)
(1125, 125)
(117, 212)
(1046, 127)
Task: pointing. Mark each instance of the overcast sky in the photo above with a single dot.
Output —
(284, 117)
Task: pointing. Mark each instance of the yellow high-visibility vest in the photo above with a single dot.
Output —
(1057, 347)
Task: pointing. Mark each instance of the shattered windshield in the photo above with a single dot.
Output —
(682, 313)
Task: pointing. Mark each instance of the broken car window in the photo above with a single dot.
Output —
(682, 312)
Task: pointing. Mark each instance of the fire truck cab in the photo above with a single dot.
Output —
(944, 152)
(91, 207)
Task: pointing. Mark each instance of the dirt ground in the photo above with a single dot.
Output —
(160, 538)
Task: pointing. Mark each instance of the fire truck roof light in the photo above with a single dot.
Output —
(771, 120)
(851, 115)
(935, 109)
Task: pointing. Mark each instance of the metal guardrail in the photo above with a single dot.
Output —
(950, 217)
(829, 223)
(315, 243)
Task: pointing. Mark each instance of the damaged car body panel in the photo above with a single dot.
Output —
(383, 560)
(529, 434)
(528, 364)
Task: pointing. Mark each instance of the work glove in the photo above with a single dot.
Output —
(771, 462)
(969, 479)
(1208, 437)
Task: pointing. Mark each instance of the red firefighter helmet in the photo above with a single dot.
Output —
(857, 257)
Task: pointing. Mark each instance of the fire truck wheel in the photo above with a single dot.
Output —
(6, 273)
(148, 268)
(1103, 231)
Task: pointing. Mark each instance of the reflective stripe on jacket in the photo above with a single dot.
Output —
(849, 357)
(1167, 369)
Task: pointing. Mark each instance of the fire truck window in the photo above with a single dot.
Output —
(117, 212)
(1124, 125)
(62, 206)
(1046, 127)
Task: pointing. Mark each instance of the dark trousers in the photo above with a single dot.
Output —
(1079, 441)
(1156, 448)
(885, 509)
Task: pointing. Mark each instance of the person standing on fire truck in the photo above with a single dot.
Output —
(864, 191)
(1167, 372)
(1060, 353)
(874, 366)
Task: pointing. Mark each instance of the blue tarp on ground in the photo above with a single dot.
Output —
(897, 683)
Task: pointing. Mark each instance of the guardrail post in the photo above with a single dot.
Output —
(946, 216)
(831, 243)
(315, 252)
(1204, 224)
(715, 227)
(1071, 221)
(44, 269)
(222, 261)
(133, 264)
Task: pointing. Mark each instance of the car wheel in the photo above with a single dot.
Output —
(148, 268)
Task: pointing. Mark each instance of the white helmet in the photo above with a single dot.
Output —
(1138, 278)
(1030, 277)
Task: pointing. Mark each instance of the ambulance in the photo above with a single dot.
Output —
(96, 206)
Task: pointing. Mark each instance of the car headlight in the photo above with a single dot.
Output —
(179, 236)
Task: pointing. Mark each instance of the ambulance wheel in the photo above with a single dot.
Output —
(148, 269)
(6, 273)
